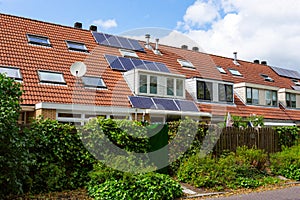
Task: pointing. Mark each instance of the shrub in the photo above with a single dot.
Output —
(288, 135)
(13, 154)
(287, 162)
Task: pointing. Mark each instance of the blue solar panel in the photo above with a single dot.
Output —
(99, 37)
(126, 62)
(114, 62)
(139, 64)
(165, 104)
(162, 67)
(185, 105)
(286, 72)
(112, 40)
(136, 45)
(142, 102)
(125, 43)
(150, 66)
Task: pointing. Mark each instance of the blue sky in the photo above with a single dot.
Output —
(265, 30)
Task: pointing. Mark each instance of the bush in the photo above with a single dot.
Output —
(288, 135)
(287, 162)
(60, 159)
(13, 154)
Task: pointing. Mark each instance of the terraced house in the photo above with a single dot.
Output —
(71, 74)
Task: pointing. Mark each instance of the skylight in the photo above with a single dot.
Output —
(39, 40)
(185, 63)
(51, 77)
(93, 82)
(76, 46)
(11, 72)
(235, 72)
(221, 70)
(267, 78)
(128, 53)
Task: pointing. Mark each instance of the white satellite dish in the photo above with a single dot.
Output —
(78, 69)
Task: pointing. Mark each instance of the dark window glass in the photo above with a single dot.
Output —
(204, 90)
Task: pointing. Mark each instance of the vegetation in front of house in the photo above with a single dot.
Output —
(288, 135)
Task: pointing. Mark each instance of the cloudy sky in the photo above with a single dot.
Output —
(265, 30)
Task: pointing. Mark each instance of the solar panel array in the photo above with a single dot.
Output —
(126, 64)
(162, 104)
(286, 72)
(117, 41)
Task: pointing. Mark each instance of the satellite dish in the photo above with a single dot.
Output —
(78, 69)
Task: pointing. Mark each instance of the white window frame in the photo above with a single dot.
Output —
(83, 49)
(4, 70)
(221, 70)
(62, 82)
(186, 63)
(235, 72)
(42, 38)
(128, 53)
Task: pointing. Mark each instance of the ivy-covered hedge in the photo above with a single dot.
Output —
(288, 135)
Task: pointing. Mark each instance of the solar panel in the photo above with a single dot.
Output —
(185, 105)
(116, 41)
(114, 62)
(150, 66)
(139, 64)
(165, 104)
(296, 88)
(162, 67)
(286, 72)
(142, 102)
(126, 62)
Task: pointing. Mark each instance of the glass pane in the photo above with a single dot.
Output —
(51, 77)
(221, 70)
(179, 87)
(38, 40)
(200, 90)
(11, 72)
(222, 94)
(76, 46)
(255, 96)
(143, 83)
(153, 85)
(208, 91)
(229, 93)
(170, 86)
(93, 82)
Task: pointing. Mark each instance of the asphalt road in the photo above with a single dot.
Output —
(291, 193)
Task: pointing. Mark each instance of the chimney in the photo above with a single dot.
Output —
(78, 25)
(184, 47)
(256, 61)
(156, 51)
(235, 58)
(93, 28)
(195, 49)
(147, 45)
(264, 62)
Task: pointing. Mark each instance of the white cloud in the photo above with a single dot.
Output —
(266, 30)
(106, 24)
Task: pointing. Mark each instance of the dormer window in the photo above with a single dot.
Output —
(38, 40)
(128, 53)
(297, 83)
(11, 72)
(267, 78)
(185, 63)
(235, 72)
(76, 46)
(221, 70)
(93, 82)
(51, 77)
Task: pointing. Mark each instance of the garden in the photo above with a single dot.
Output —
(53, 160)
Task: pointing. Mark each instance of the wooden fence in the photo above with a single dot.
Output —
(261, 138)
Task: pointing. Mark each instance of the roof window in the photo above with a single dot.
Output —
(235, 72)
(221, 70)
(93, 82)
(185, 63)
(128, 53)
(76, 46)
(51, 77)
(267, 78)
(39, 40)
(11, 72)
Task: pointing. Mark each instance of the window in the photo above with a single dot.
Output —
(94, 82)
(76, 46)
(51, 77)
(185, 63)
(290, 100)
(267, 78)
(11, 72)
(204, 90)
(128, 53)
(252, 96)
(153, 84)
(39, 40)
(225, 93)
(271, 98)
(235, 72)
(143, 84)
(179, 87)
(170, 86)
(221, 70)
